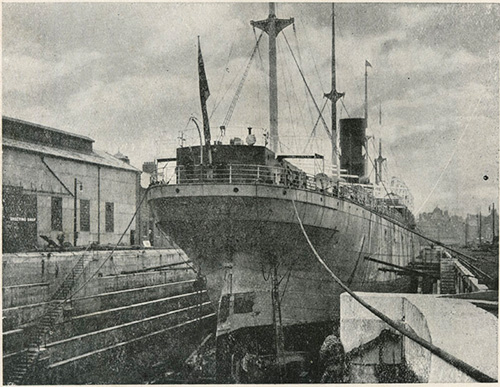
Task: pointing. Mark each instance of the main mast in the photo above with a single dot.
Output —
(334, 96)
(272, 26)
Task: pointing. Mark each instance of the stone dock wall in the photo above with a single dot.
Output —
(119, 328)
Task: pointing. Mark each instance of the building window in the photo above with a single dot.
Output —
(56, 213)
(84, 215)
(110, 217)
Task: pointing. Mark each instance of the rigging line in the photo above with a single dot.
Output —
(307, 86)
(293, 94)
(236, 96)
(451, 156)
(300, 112)
(225, 93)
(261, 62)
(313, 58)
(112, 251)
(222, 80)
(447, 357)
(300, 60)
(313, 132)
(343, 104)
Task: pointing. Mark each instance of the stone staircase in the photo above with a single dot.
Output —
(27, 360)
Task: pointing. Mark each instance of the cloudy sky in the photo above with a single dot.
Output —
(125, 74)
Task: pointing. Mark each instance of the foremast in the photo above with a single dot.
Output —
(272, 26)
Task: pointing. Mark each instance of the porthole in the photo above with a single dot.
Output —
(177, 190)
(284, 192)
(236, 190)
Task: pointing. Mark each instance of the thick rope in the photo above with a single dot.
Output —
(447, 357)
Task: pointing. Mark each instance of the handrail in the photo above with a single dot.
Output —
(286, 177)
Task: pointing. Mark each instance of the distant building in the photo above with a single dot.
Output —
(455, 230)
(439, 225)
(40, 165)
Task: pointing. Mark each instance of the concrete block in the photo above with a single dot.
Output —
(450, 325)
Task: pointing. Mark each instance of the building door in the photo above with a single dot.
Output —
(19, 223)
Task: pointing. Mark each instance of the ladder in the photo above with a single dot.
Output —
(44, 327)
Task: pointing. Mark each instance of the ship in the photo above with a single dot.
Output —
(237, 209)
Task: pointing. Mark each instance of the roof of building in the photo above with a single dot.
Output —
(69, 134)
(95, 157)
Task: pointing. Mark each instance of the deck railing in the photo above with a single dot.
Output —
(280, 176)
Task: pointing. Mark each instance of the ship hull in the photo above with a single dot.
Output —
(247, 241)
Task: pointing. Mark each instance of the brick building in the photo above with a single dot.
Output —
(43, 168)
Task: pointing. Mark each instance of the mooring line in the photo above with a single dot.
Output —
(449, 358)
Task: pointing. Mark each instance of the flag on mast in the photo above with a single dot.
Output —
(368, 64)
(204, 94)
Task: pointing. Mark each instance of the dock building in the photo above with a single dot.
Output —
(57, 187)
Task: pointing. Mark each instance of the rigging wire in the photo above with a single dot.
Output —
(308, 89)
(449, 358)
(262, 76)
(236, 96)
(343, 104)
(292, 121)
(313, 132)
(222, 79)
(300, 61)
(294, 94)
(452, 154)
(261, 62)
(313, 57)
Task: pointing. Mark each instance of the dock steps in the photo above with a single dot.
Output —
(26, 361)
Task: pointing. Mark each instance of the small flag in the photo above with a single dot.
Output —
(367, 64)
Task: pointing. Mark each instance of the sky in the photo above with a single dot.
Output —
(125, 74)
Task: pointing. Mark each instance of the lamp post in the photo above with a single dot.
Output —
(75, 207)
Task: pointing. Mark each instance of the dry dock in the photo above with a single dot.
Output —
(117, 329)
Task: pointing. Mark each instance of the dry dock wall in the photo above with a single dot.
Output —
(450, 324)
(119, 328)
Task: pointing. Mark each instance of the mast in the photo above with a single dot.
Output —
(272, 26)
(335, 153)
(367, 64)
(365, 140)
(466, 228)
(493, 224)
(479, 217)
(378, 163)
(334, 96)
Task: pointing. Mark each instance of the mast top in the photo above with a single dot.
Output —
(272, 21)
(272, 26)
